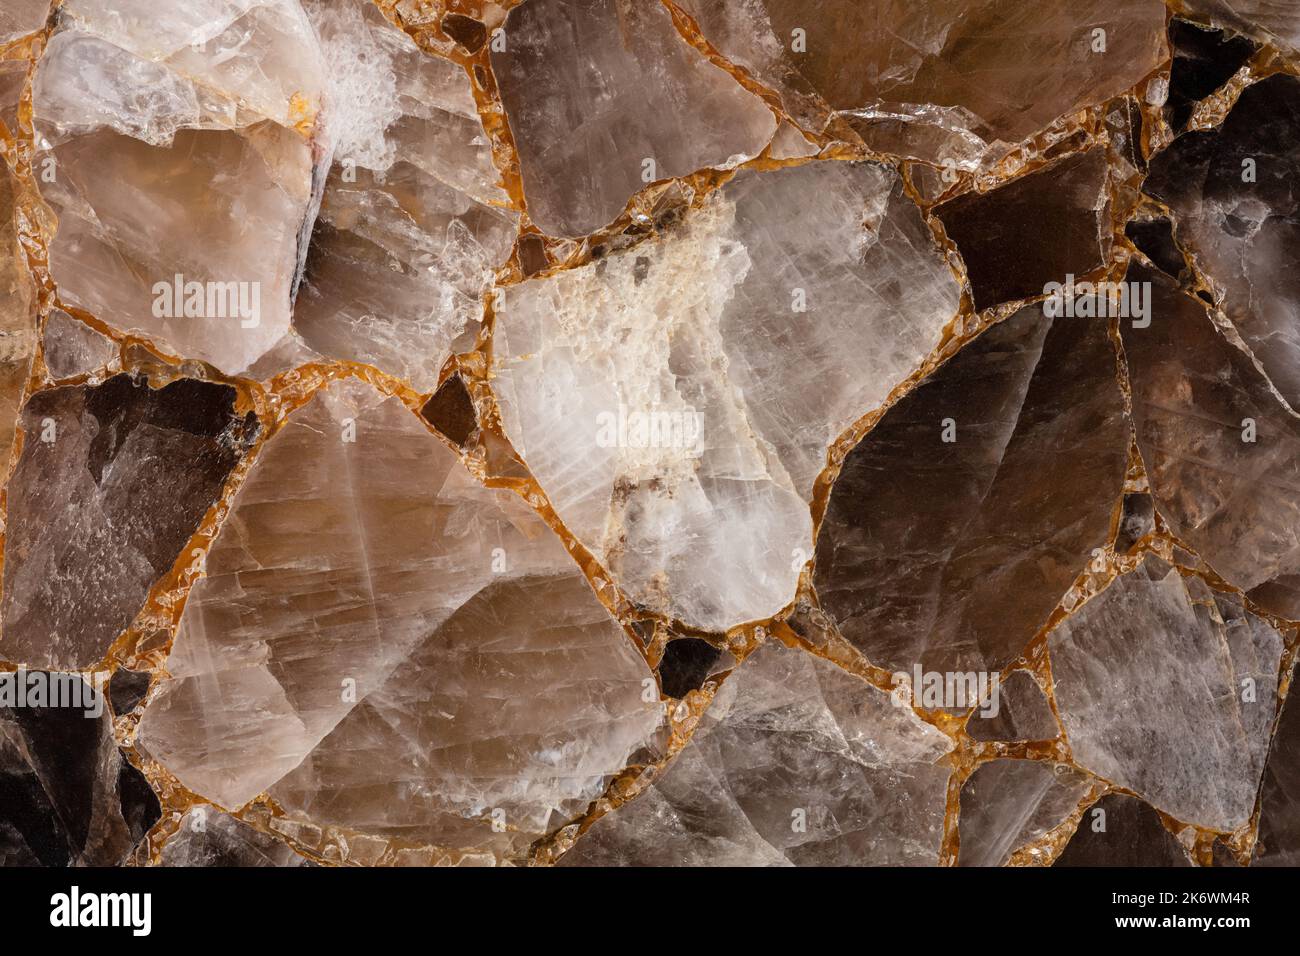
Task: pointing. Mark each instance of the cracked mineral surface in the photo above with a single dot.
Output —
(649, 433)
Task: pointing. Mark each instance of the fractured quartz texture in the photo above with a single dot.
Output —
(387, 646)
(676, 400)
(797, 763)
(113, 481)
(994, 478)
(651, 432)
(948, 81)
(413, 222)
(603, 97)
(71, 798)
(178, 159)
(1170, 690)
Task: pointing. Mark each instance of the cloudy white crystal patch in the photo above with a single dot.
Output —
(787, 306)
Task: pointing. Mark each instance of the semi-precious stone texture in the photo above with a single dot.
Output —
(1023, 712)
(113, 481)
(71, 348)
(1119, 830)
(1274, 21)
(20, 17)
(796, 763)
(1197, 400)
(1007, 804)
(180, 146)
(597, 89)
(1034, 230)
(1279, 804)
(942, 80)
(413, 221)
(208, 837)
(1169, 689)
(995, 477)
(70, 796)
(17, 314)
(1243, 227)
(750, 335)
(389, 647)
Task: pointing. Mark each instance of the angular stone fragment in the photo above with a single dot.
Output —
(1279, 804)
(113, 481)
(1273, 21)
(1169, 690)
(1031, 231)
(604, 96)
(70, 797)
(676, 400)
(1198, 402)
(17, 316)
(796, 762)
(413, 222)
(1239, 215)
(1007, 804)
(19, 17)
(959, 522)
(208, 837)
(1120, 830)
(451, 410)
(957, 80)
(180, 148)
(72, 348)
(1203, 61)
(1023, 713)
(387, 646)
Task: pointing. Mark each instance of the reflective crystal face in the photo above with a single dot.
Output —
(649, 432)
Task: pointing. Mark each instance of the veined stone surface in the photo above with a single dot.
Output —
(413, 222)
(387, 646)
(181, 145)
(749, 336)
(650, 432)
(1170, 690)
(995, 476)
(88, 534)
(603, 97)
(949, 81)
(1008, 804)
(21, 17)
(797, 763)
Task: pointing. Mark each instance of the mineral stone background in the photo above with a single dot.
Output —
(573, 432)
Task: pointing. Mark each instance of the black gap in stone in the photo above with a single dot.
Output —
(1203, 61)
(685, 665)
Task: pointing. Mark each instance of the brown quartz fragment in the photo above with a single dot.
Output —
(1279, 818)
(1219, 447)
(1008, 803)
(1031, 231)
(209, 837)
(387, 646)
(451, 410)
(112, 482)
(952, 554)
(1169, 690)
(938, 79)
(1023, 713)
(796, 763)
(67, 794)
(597, 89)
(1119, 830)
(1233, 194)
